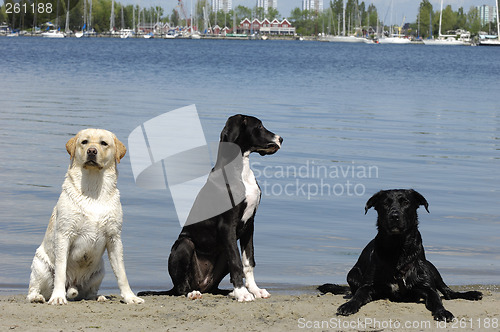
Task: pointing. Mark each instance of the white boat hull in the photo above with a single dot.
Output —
(346, 39)
(394, 40)
(489, 41)
(449, 41)
(53, 34)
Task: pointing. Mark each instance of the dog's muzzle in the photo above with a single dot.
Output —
(92, 158)
(272, 147)
(394, 223)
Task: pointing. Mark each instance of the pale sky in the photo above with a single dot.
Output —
(407, 8)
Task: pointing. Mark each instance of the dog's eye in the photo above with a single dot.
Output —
(404, 201)
(103, 143)
(84, 142)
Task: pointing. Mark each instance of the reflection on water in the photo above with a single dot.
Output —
(408, 112)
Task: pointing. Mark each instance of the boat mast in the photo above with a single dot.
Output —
(441, 18)
(498, 23)
(343, 20)
(67, 19)
(84, 15)
(112, 16)
(90, 17)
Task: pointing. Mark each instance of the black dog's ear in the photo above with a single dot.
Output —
(420, 200)
(373, 200)
(232, 129)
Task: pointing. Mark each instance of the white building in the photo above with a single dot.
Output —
(267, 4)
(273, 4)
(225, 5)
(263, 4)
(312, 5)
(487, 13)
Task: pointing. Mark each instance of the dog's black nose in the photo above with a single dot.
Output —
(281, 139)
(92, 152)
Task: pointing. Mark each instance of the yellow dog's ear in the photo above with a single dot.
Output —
(120, 150)
(71, 146)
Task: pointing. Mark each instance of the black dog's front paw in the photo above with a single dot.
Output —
(473, 295)
(348, 308)
(443, 315)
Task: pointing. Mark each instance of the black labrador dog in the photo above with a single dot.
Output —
(207, 249)
(393, 265)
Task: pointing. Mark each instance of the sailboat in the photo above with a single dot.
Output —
(87, 20)
(395, 38)
(343, 38)
(489, 40)
(444, 39)
(52, 32)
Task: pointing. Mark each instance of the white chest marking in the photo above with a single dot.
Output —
(252, 190)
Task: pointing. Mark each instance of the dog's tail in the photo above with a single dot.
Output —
(334, 289)
(156, 293)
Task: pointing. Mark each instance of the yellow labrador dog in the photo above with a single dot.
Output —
(86, 220)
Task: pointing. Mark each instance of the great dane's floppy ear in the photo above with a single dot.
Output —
(71, 146)
(373, 200)
(420, 199)
(232, 129)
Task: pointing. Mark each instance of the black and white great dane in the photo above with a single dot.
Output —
(206, 251)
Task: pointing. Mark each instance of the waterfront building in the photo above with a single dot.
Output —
(312, 5)
(276, 27)
(266, 4)
(224, 5)
(487, 14)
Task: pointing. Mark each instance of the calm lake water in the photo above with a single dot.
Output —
(355, 119)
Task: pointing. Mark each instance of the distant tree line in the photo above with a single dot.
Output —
(125, 16)
(358, 16)
(79, 14)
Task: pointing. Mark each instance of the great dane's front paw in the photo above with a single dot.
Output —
(58, 300)
(443, 315)
(36, 298)
(348, 308)
(242, 294)
(132, 299)
(259, 293)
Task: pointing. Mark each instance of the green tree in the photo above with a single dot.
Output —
(3, 15)
(259, 13)
(242, 12)
(449, 20)
(473, 21)
(272, 13)
(337, 8)
(372, 15)
(424, 17)
(174, 18)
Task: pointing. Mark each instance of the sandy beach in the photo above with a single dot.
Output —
(281, 312)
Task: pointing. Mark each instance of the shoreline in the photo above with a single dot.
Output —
(303, 311)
